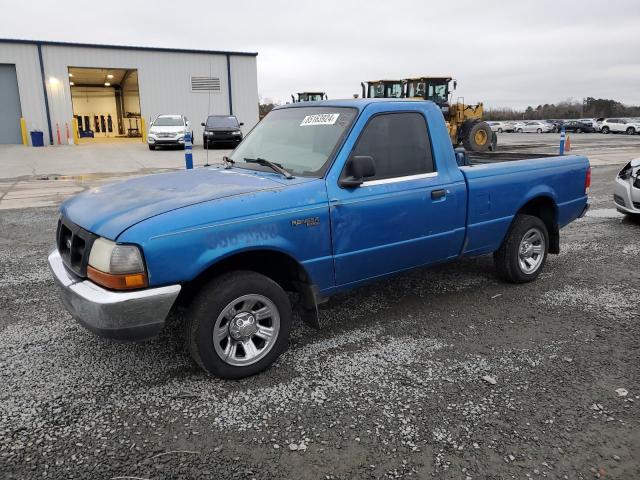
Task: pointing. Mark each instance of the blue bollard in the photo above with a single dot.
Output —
(188, 151)
(562, 138)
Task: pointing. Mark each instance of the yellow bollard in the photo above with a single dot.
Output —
(23, 129)
(76, 132)
(143, 124)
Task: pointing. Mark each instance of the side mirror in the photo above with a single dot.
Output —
(202, 123)
(242, 124)
(635, 163)
(357, 169)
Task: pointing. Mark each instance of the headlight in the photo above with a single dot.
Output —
(119, 267)
(237, 132)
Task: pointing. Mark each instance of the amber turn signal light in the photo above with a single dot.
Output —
(122, 281)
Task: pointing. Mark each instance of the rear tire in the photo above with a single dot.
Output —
(238, 297)
(523, 252)
(499, 130)
(476, 136)
(579, 130)
(519, 130)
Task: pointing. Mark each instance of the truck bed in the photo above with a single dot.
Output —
(499, 184)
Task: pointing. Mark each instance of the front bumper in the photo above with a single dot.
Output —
(626, 196)
(135, 315)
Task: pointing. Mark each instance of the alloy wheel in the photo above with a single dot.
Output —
(531, 251)
(246, 330)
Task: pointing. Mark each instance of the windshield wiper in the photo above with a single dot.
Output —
(273, 166)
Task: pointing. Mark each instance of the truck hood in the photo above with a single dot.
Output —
(110, 209)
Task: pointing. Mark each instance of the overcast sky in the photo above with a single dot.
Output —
(505, 53)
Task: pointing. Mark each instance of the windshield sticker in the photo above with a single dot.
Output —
(320, 119)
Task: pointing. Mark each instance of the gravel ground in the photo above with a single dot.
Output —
(445, 373)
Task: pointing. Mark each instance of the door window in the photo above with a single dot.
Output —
(398, 143)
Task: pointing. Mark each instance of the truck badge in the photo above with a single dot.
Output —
(309, 222)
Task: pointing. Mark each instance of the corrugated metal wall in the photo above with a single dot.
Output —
(25, 58)
(244, 90)
(164, 82)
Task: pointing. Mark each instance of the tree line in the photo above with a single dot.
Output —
(589, 108)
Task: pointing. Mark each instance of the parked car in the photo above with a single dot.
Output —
(168, 130)
(536, 127)
(500, 127)
(518, 127)
(626, 191)
(587, 121)
(556, 125)
(317, 200)
(617, 125)
(221, 129)
(577, 127)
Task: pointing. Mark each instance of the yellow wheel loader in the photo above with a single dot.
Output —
(463, 121)
(309, 97)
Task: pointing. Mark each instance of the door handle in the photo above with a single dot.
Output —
(436, 194)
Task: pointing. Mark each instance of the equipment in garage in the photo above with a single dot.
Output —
(104, 95)
(10, 109)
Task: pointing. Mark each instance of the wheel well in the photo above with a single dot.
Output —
(545, 209)
(278, 266)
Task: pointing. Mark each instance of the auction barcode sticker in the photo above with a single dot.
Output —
(320, 119)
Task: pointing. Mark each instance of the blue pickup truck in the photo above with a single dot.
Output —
(319, 198)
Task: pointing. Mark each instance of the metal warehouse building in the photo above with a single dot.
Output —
(114, 91)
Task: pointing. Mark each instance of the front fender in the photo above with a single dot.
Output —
(181, 244)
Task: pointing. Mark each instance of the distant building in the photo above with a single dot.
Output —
(109, 89)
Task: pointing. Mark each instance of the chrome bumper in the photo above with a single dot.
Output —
(133, 315)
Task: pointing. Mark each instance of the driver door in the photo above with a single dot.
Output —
(408, 214)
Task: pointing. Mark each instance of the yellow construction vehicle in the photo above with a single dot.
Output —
(463, 121)
(309, 97)
(383, 89)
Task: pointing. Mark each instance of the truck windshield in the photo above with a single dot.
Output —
(301, 140)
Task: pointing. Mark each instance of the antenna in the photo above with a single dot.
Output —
(208, 113)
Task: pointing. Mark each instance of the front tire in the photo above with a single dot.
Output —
(524, 250)
(631, 131)
(539, 130)
(238, 324)
(605, 130)
(476, 136)
(519, 130)
(152, 147)
(499, 130)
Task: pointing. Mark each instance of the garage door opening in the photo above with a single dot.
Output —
(106, 103)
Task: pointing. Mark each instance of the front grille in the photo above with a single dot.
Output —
(619, 200)
(74, 244)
